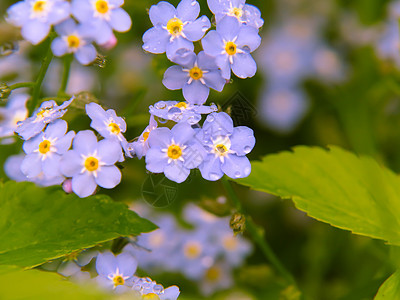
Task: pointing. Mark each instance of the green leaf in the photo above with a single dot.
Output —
(390, 289)
(16, 284)
(336, 187)
(37, 224)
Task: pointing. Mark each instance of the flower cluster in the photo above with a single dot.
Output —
(206, 254)
(78, 23)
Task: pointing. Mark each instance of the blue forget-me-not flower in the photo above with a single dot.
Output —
(14, 112)
(76, 39)
(195, 76)
(35, 17)
(227, 147)
(174, 152)
(174, 29)
(231, 44)
(44, 151)
(245, 13)
(104, 15)
(149, 289)
(142, 145)
(48, 112)
(91, 163)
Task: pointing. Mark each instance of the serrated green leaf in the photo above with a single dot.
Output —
(17, 284)
(37, 224)
(390, 289)
(336, 187)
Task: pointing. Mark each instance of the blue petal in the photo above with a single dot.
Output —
(56, 129)
(59, 47)
(156, 160)
(216, 6)
(228, 28)
(161, 13)
(211, 168)
(18, 13)
(212, 43)
(248, 37)
(155, 40)
(35, 31)
(67, 27)
(120, 20)
(51, 165)
(236, 166)
(194, 155)
(108, 177)
(253, 16)
(175, 171)
(178, 44)
(12, 168)
(95, 111)
(59, 12)
(32, 165)
(242, 140)
(82, 10)
(188, 10)
(206, 62)
(195, 31)
(84, 184)
(160, 138)
(63, 144)
(71, 163)
(196, 92)
(109, 151)
(218, 124)
(223, 63)
(182, 133)
(175, 78)
(106, 264)
(214, 80)
(127, 264)
(185, 58)
(244, 65)
(32, 144)
(103, 32)
(170, 293)
(85, 142)
(28, 128)
(86, 54)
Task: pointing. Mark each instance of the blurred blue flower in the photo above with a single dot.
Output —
(195, 76)
(103, 15)
(36, 17)
(142, 145)
(245, 13)
(108, 125)
(180, 111)
(115, 272)
(48, 112)
(44, 151)
(231, 45)
(226, 147)
(174, 29)
(75, 39)
(149, 289)
(91, 163)
(174, 152)
(14, 112)
(217, 277)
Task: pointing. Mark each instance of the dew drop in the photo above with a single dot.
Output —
(162, 121)
(247, 149)
(210, 118)
(213, 176)
(158, 289)
(237, 174)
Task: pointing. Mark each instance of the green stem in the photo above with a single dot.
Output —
(257, 233)
(22, 85)
(38, 84)
(65, 77)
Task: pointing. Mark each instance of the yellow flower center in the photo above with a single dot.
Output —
(151, 296)
(39, 6)
(146, 136)
(118, 280)
(175, 26)
(91, 164)
(192, 250)
(114, 128)
(174, 151)
(237, 12)
(73, 41)
(221, 149)
(196, 73)
(102, 6)
(213, 274)
(230, 48)
(44, 147)
(181, 105)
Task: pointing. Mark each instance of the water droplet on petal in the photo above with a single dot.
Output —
(237, 174)
(247, 149)
(213, 176)
(210, 118)
(162, 121)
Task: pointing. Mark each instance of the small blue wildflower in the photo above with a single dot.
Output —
(36, 17)
(195, 76)
(91, 163)
(231, 45)
(142, 145)
(180, 112)
(44, 151)
(149, 289)
(227, 147)
(48, 112)
(217, 277)
(75, 39)
(174, 152)
(108, 125)
(245, 13)
(104, 15)
(115, 272)
(174, 29)
(14, 112)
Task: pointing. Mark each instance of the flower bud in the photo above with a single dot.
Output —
(238, 223)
